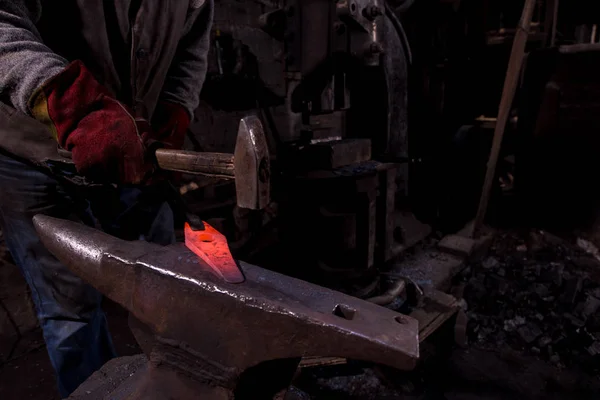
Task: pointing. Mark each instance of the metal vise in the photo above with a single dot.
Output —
(200, 333)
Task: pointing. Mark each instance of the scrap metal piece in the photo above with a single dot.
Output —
(211, 246)
(252, 165)
(385, 212)
(201, 333)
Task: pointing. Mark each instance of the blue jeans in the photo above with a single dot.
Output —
(68, 309)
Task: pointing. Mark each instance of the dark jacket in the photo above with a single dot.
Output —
(142, 50)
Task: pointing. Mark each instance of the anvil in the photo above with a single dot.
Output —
(201, 333)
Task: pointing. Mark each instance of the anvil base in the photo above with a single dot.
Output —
(117, 379)
(121, 378)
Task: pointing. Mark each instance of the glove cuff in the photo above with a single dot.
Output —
(62, 101)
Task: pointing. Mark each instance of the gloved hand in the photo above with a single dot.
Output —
(106, 141)
(170, 122)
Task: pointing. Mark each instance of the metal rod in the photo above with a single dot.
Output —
(554, 23)
(515, 65)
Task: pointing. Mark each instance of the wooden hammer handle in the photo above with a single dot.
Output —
(196, 163)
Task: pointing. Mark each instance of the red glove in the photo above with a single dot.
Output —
(171, 122)
(106, 141)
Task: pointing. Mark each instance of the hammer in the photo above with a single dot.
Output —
(249, 166)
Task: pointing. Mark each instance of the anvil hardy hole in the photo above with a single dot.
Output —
(344, 311)
(401, 320)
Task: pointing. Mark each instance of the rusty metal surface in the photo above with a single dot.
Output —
(201, 333)
(252, 165)
(386, 208)
(365, 16)
(332, 154)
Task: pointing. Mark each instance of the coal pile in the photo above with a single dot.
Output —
(537, 294)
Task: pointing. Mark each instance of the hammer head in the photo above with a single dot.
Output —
(252, 165)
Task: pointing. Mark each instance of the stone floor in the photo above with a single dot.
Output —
(533, 333)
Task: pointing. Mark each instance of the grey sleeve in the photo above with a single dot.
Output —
(188, 70)
(25, 62)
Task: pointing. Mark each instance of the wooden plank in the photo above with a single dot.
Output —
(513, 73)
(308, 362)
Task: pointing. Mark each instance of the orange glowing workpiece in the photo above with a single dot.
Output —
(211, 246)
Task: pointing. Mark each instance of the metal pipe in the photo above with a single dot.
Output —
(400, 30)
(389, 295)
(554, 23)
